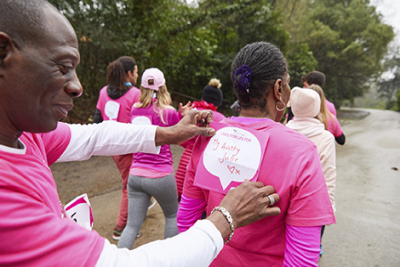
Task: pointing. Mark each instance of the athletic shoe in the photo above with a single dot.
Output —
(152, 202)
(117, 234)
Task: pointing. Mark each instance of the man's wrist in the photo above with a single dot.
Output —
(165, 136)
(220, 222)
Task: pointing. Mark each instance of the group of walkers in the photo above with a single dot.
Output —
(302, 182)
(248, 224)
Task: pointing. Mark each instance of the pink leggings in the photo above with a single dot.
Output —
(123, 163)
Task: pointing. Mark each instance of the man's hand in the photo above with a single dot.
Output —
(186, 129)
(247, 203)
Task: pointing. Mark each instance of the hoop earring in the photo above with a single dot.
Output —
(284, 105)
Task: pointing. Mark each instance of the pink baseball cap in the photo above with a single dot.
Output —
(152, 79)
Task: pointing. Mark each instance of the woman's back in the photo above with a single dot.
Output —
(117, 109)
(291, 165)
(306, 105)
(152, 115)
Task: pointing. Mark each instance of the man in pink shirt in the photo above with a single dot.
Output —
(38, 81)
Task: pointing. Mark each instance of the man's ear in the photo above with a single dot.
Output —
(5, 48)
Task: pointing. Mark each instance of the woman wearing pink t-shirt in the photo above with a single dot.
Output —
(210, 100)
(151, 174)
(327, 118)
(115, 102)
(261, 82)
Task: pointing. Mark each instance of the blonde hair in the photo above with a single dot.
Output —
(215, 82)
(324, 112)
(163, 100)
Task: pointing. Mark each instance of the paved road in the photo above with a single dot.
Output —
(367, 232)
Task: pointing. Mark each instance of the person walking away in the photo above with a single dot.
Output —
(210, 100)
(306, 105)
(318, 78)
(115, 102)
(261, 81)
(332, 125)
(151, 175)
(328, 119)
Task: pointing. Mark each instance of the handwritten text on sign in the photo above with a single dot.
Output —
(233, 154)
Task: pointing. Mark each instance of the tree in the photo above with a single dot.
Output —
(349, 41)
(300, 60)
(190, 45)
(387, 86)
(250, 21)
(346, 37)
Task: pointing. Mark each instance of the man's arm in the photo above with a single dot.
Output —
(199, 245)
(108, 138)
(112, 138)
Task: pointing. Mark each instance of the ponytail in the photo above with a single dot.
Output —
(324, 113)
(117, 70)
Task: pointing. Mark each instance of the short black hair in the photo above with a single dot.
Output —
(314, 77)
(23, 20)
(267, 64)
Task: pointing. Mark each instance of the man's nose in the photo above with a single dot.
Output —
(74, 87)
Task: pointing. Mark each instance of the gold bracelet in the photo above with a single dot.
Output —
(229, 219)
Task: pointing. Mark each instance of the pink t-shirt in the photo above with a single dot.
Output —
(330, 106)
(334, 126)
(161, 162)
(188, 145)
(118, 109)
(32, 229)
(291, 164)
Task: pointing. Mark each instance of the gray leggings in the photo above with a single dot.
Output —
(140, 190)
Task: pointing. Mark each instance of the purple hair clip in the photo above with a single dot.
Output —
(243, 82)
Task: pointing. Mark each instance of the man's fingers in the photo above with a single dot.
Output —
(267, 190)
(209, 117)
(206, 116)
(257, 184)
(272, 211)
(208, 132)
(273, 199)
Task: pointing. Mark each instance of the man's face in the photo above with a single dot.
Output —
(305, 85)
(42, 82)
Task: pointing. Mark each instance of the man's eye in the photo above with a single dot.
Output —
(65, 69)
